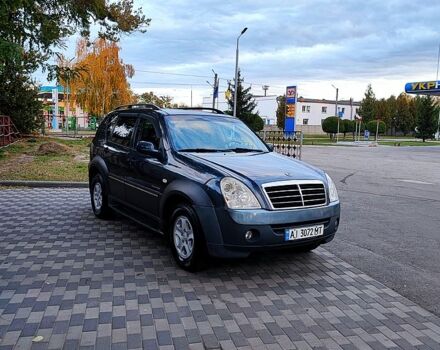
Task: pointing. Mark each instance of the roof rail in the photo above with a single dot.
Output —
(139, 105)
(214, 110)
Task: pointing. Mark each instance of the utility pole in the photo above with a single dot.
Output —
(236, 73)
(191, 95)
(336, 111)
(436, 80)
(215, 89)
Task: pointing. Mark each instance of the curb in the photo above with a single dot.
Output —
(50, 184)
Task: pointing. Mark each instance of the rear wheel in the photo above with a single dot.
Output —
(98, 196)
(186, 238)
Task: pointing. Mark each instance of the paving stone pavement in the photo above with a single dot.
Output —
(80, 282)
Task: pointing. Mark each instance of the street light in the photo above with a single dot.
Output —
(236, 72)
(336, 111)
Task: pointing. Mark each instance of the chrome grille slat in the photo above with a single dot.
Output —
(296, 194)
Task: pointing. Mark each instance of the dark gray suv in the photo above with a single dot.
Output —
(208, 183)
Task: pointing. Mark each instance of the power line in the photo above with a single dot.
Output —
(178, 74)
(202, 76)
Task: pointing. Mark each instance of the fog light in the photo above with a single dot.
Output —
(249, 235)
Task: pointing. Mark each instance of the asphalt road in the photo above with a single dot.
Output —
(390, 225)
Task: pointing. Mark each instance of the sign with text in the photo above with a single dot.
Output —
(423, 87)
(289, 124)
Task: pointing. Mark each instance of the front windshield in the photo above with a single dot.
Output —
(203, 133)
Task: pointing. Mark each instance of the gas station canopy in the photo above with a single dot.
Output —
(423, 88)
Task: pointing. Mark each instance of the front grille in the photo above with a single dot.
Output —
(296, 194)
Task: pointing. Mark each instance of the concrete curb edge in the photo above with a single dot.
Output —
(50, 184)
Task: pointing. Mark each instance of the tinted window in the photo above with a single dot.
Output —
(110, 124)
(123, 130)
(147, 132)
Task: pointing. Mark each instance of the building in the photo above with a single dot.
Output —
(53, 98)
(309, 111)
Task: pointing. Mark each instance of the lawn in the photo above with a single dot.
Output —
(24, 160)
(409, 143)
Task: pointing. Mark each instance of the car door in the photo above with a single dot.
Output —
(116, 152)
(145, 182)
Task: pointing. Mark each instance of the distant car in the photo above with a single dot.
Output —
(206, 181)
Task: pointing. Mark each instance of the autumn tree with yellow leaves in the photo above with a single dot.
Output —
(102, 84)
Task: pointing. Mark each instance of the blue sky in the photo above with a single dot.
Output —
(309, 43)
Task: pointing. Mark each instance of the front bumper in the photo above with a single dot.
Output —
(225, 229)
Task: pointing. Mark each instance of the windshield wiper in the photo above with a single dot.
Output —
(203, 150)
(244, 150)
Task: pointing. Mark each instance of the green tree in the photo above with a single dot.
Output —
(330, 126)
(32, 30)
(281, 111)
(390, 121)
(349, 126)
(35, 28)
(18, 99)
(372, 127)
(367, 109)
(405, 119)
(426, 117)
(253, 121)
(160, 101)
(245, 102)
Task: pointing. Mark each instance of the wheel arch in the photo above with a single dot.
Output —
(181, 191)
(98, 166)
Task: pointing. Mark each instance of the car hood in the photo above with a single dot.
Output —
(260, 167)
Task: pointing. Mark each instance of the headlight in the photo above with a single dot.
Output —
(237, 195)
(332, 191)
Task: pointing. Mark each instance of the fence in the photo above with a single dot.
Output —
(71, 126)
(8, 131)
(286, 143)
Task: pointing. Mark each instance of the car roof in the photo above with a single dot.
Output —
(151, 109)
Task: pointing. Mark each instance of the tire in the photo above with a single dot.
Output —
(186, 239)
(99, 197)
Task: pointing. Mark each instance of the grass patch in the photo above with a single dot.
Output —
(22, 161)
(409, 143)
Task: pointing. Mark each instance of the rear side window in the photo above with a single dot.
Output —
(123, 130)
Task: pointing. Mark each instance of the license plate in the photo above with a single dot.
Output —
(292, 234)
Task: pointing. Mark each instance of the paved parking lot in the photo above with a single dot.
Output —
(390, 222)
(80, 282)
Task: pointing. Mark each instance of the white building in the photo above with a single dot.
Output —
(309, 111)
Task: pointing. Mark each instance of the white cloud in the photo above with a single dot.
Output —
(311, 43)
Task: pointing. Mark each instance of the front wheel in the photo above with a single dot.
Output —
(186, 238)
(98, 197)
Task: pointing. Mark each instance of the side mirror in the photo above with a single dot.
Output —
(270, 145)
(148, 149)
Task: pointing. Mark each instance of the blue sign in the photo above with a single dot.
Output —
(289, 125)
(423, 87)
(340, 114)
(54, 121)
(366, 134)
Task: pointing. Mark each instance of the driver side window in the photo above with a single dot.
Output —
(147, 132)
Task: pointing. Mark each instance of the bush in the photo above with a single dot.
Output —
(372, 126)
(253, 121)
(330, 125)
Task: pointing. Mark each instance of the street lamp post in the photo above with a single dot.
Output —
(236, 72)
(336, 111)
